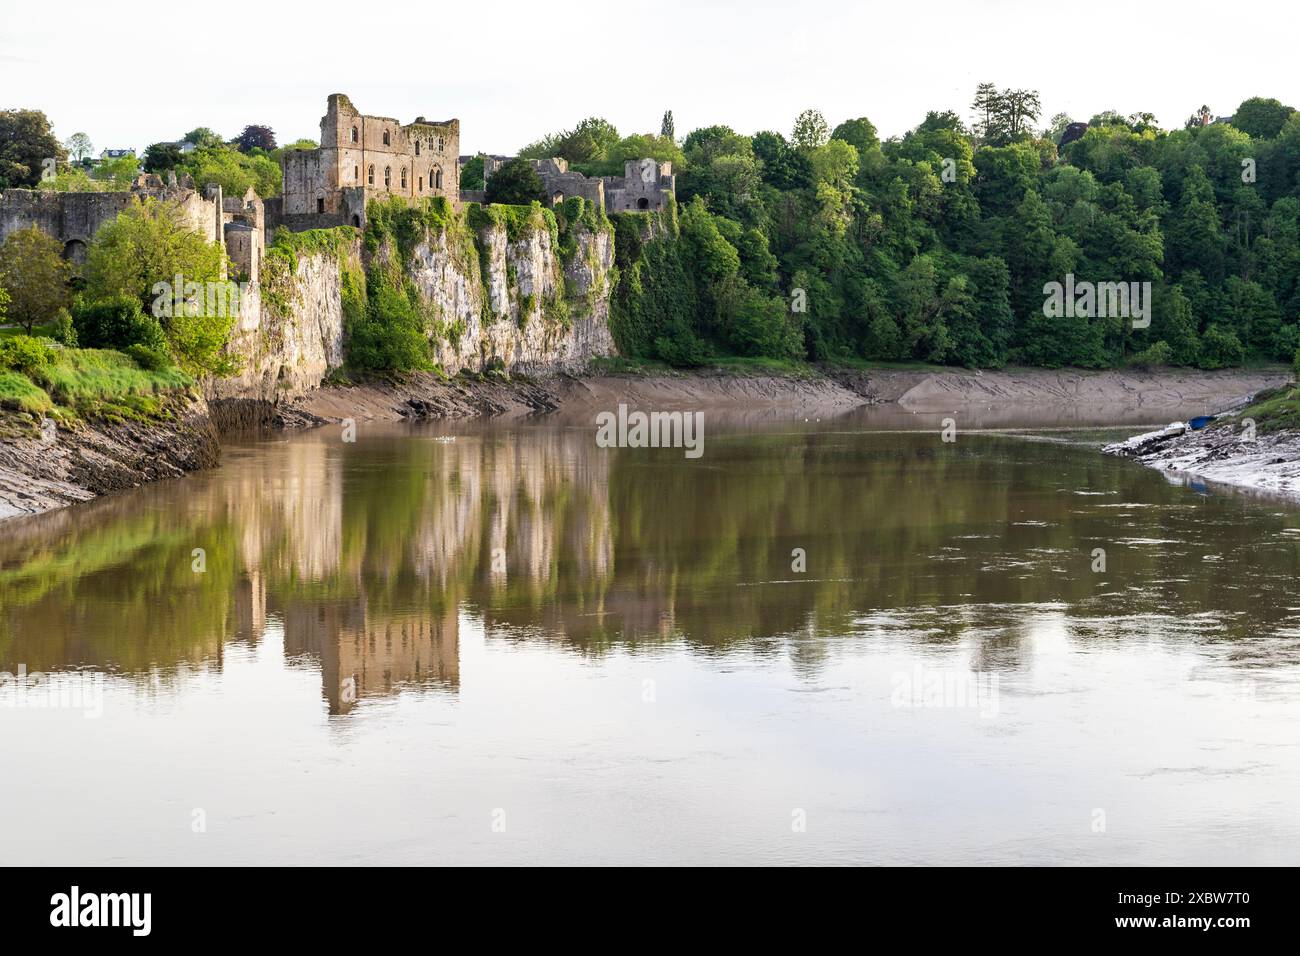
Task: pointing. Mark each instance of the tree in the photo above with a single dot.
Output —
(860, 133)
(234, 171)
(515, 183)
(471, 174)
(666, 128)
(1003, 116)
(1021, 109)
(585, 143)
(153, 242)
(118, 173)
(27, 148)
(79, 147)
(1200, 118)
(1261, 118)
(203, 137)
(160, 157)
(256, 137)
(986, 107)
(810, 130)
(34, 273)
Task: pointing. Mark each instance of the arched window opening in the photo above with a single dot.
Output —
(388, 176)
(74, 250)
(643, 203)
(403, 177)
(354, 134)
(385, 137)
(421, 183)
(417, 147)
(371, 175)
(436, 176)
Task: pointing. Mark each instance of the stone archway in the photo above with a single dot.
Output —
(74, 250)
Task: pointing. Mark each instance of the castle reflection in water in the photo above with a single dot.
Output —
(368, 557)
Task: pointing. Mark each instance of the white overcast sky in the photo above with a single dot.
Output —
(129, 75)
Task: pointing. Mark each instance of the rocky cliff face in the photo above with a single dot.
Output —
(524, 308)
(512, 296)
(289, 335)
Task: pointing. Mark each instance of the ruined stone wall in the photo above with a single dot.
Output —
(308, 182)
(560, 183)
(375, 154)
(74, 218)
(645, 186)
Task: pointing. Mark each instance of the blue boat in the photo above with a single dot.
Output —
(1200, 421)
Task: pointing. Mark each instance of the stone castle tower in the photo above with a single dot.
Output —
(368, 157)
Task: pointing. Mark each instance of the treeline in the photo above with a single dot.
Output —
(32, 157)
(831, 244)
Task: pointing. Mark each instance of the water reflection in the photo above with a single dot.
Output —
(369, 554)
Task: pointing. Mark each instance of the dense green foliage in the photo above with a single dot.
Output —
(471, 174)
(117, 323)
(26, 145)
(236, 167)
(595, 148)
(936, 246)
(515, 183)
(153, 243)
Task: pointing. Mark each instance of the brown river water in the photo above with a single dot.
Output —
(835, 641)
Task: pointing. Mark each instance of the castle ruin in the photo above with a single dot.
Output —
(74, 218)
(363, 158)
(647, 185)
(360, 158)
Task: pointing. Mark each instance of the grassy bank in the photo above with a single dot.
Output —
(1273, 410)
(40, 379)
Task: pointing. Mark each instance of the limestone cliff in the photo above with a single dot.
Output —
(524, 308)
(289, 334)
(497, 287)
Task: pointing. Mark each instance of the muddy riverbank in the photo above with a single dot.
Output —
(74, 465)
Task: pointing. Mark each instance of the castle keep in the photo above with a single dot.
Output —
(363, 158)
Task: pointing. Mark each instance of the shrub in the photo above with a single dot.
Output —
(389, 336)
(151, 360)
(65, 333)
(23, 353)
(35, 276)
(1220, 348)
(1157, 355)
(117, 323)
